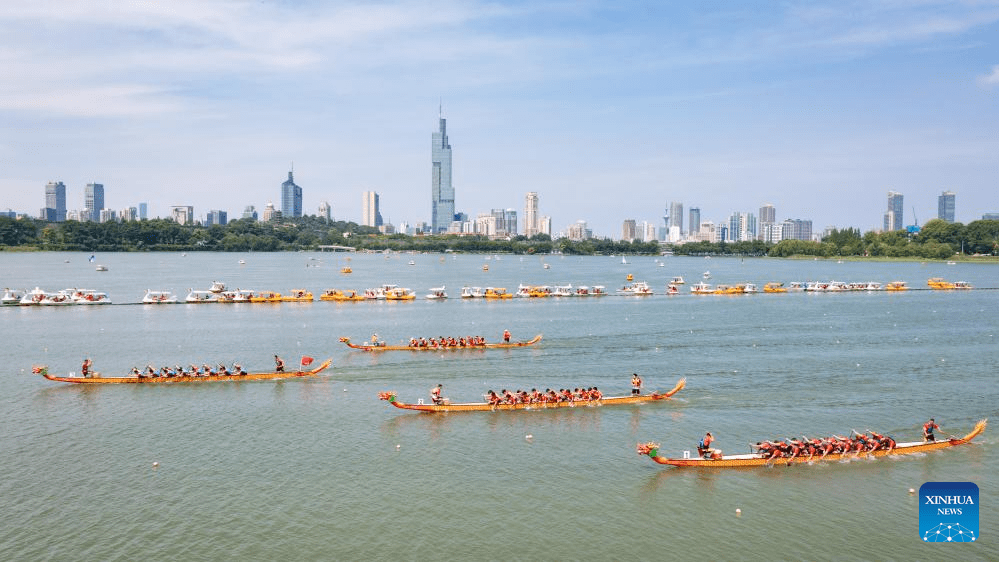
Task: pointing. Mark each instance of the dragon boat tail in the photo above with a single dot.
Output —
(184, 378)
(448, 406)
(756, 459)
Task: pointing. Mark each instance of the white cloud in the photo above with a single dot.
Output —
(991, 78)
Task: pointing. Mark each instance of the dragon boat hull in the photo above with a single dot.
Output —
(188, 378)
(500, 345)
(754, 459)
(486, 407)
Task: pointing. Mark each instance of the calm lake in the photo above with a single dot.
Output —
(320, 469)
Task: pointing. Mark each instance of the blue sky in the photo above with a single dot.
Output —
(607, 110)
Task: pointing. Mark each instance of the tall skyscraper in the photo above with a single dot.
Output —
(291, 198)
(629, 230)
(893, 217)
(511, 222)
(695, 220)
(55, 199)
(441, 189)
(768, 214)
(93, 201)
(531, 214)
(676, 215)
(945, 206)
(142, 211)
(371, 215)
(325, 211)
(741, 227)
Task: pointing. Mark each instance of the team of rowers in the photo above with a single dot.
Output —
(205, 370)
(549, 396)
(822, 446)
(470, 341)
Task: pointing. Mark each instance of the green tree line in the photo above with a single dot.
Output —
(936, 240)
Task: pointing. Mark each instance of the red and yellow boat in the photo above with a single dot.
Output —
(132, 379)
(447, 406)
(496, 345)
(755, 459)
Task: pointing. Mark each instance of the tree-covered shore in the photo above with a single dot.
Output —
(936, 240)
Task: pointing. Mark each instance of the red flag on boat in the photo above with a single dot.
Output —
(306, 360)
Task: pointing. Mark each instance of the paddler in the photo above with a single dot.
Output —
(506, 336)
(278, 364)
(85, 369)
(928, 428)
(636, 385)
(704, 447)
(435, 394)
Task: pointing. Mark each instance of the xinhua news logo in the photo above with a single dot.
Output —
(948, 512)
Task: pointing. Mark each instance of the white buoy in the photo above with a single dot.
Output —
(345, 390)
(397, 447)
(738, 512)
(911, 491)
(156, 464)
(529, 436)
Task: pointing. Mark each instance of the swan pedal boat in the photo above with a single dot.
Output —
(755, 459)
(499, 345)
(188, 378)
(487, 407)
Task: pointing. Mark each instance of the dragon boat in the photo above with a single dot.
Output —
(448, 406)
(756, 459)
(496, 345)
(132, 379)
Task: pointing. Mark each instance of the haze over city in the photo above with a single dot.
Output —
(608, 112)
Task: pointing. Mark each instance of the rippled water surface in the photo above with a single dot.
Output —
(321, 469)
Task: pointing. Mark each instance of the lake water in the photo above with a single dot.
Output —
(320, 469)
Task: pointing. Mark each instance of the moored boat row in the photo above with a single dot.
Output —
(40, 297)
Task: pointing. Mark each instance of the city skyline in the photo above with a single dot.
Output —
(818, 108)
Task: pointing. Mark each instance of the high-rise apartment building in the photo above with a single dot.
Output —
(55, 202)
(578, 231)
(768, 218)
(93, 201)
(510, 218)
(649, 232)
(768, 214)
(741, 227)
(695, 220)
(270, 213)
(216, 217)
(182, 214)
(629, 230)
(531, 214)
(676, 216)
(545, 225)
(143, 208)
(893, 217)
(291, 198)
(945, 206)
(441, 188)
(325, 211)
(250, 212)
(370, 213)
(771, 232)
(128, 215)
(796, 229)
